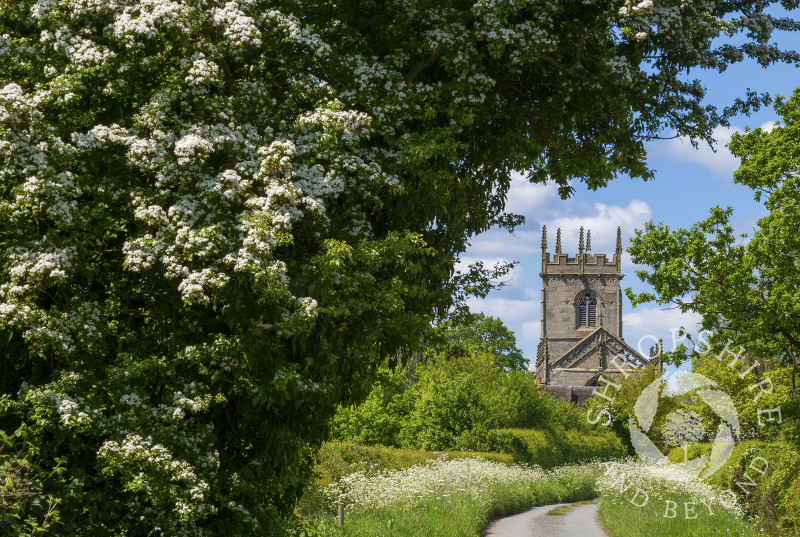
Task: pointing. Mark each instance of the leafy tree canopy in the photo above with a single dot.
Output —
(217, 217)
(745, 290)
(480, 333)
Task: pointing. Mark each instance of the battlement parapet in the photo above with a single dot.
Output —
(587, 263)
(584, 262)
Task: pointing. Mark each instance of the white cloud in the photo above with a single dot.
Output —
(721, 163)
(499, 242)
(534, 200)
(510, 310)
(652, 323)
(530, 333)
(514, 276)
(768, 126)
(602, 223)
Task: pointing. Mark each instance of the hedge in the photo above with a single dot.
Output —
(547, 448)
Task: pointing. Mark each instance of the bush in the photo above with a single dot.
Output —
(444, 409)
(25, 509)
(620, 409)
(464, 400)
(679, 454)
(468, 404)
(775, 495)
(379, 419)
(547, 448)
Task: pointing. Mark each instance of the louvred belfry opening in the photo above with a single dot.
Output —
(581, 319)
(587, 311)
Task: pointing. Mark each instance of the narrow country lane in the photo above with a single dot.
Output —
(580, 521)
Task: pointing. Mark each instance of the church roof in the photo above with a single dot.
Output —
(600, 337)
(572, 394)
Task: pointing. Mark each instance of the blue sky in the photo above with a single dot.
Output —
(688, 182)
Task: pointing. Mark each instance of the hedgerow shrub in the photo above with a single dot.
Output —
(468, 403)
(446, 397)
(379, 419)
(445, 407)
(775, 494)
(25, 509)
(548, 447)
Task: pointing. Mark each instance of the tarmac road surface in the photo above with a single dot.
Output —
(581, 521)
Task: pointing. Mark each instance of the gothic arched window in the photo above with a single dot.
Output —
(587, 310)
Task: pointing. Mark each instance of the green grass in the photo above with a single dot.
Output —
(340, 458)
(461, 516)
(464, 514)
(561, 510)
(620, 518)
(775, 498)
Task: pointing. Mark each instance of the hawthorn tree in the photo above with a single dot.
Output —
(218, 217)
(745, 290)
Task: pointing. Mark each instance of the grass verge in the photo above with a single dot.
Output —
(661, 501)
(338, 459)
(620, 518)
(451, 498)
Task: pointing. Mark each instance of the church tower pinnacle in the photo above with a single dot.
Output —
(581, 314)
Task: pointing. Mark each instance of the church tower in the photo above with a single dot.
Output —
(581, 331)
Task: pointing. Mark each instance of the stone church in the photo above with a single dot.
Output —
(581, 332)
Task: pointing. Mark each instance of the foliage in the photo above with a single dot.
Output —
(218, 216)
(475, 341)
(448, 399)
(746, 290)
(444, 409)
(464, 402)
(548, 447)
(473, 400)
(24, 508)
(454, 498)
(711, 511)
(467, 382)
(616, 413)
(467, 402)
(338, 459)
(484, 334)
(773, 497)
(730, 381)
(379, 419)
(692, 451)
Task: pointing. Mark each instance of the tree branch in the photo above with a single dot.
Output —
(421, 66)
